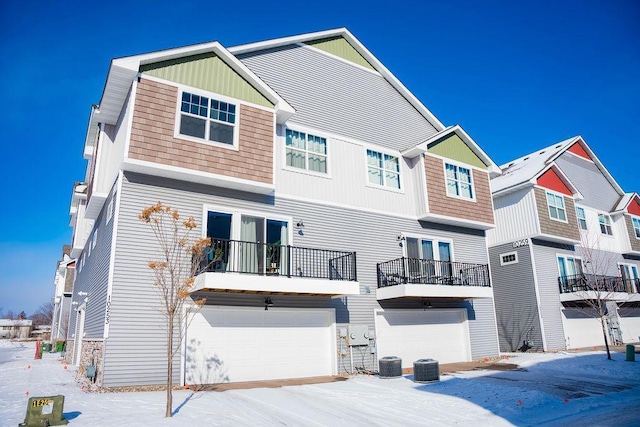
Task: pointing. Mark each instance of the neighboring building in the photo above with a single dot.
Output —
(351, 222)
(564, 228)
(65, 273)
(15, 328)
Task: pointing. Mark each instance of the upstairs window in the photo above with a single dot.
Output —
(306, 151)
(636, 226)
(556, 207)
(605, 224)
(208, 119)
(459, 181)
(383, 169)
(582, 219)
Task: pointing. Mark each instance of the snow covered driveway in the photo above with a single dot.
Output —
(548, 389)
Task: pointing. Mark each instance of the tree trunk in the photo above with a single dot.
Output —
(169, 406)
(604, 334)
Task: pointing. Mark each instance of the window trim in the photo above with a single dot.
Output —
(605, 224)
(566, 257)
(211, 96)
(636, 229)
(506, 254)
(306, 170)
(236, 218)
(384, 153)
(564, 205)
(583, 218)
(457, 165)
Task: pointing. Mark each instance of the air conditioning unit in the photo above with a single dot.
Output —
(390, 367)
(426, 370)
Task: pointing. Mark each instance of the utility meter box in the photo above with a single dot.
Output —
(358, 335)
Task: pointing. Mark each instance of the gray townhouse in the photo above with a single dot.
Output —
(350, 221)
(567, 238)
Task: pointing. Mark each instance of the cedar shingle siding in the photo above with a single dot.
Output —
(152, 138)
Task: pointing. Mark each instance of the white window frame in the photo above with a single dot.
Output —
(508, 254)
(236, 219)
(606, 224)
(306, 152)
(556, 196)
(635, 223)
(457, 180)
(211, 96)
(581, 219)
(110, 210)
(383, 169)
(435, 240)
(566, 258)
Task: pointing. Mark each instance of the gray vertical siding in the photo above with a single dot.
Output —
(597, 191)
(546, 263)
(339, 97)
(135, 347)
(515, 298)
(94, 276)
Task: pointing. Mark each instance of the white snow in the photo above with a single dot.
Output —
(550, 388)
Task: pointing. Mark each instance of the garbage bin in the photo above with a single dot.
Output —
(426, 370)
(631, 353)
(59, 346)
(45, 346)
(390, 367)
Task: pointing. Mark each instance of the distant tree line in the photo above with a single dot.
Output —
(42, 316)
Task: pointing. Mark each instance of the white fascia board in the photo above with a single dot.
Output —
(359, 47)
(621, 207)
(520, 186)
(450, 220)
(90, 137)
(421, 148)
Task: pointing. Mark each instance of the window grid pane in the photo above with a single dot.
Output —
(636, 226)
(383, 169)
(207, 109)
(459, 182)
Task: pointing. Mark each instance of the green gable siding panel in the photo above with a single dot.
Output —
(454, 148)
(207, 72)
(338, 46)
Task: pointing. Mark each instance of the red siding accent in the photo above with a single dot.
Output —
(552, 181)
(578, 150)
(634, 207)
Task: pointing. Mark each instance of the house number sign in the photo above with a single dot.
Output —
(519, 243)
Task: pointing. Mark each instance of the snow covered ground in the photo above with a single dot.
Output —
(548, 389)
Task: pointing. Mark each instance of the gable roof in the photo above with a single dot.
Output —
(526, 169)
(624, 202)
(359, 47)
(424, 146)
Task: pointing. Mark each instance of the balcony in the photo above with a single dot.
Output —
(594, 286)
(237, 266)
(410, 278)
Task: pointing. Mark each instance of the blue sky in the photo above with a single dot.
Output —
(516, 76)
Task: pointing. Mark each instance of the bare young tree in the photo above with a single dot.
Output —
(180, 259)
(44, 314)
(595, 285)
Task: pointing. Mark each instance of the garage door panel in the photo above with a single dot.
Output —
(410, 334)
(629, 324)
(251, 344)
(581, 329)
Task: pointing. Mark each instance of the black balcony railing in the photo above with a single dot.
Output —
(235, 256)
(430, 272)
(596, 282)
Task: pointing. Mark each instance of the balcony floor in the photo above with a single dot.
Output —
(252, 283)
(433, 291)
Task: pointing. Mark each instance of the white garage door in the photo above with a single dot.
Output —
(629, 324)
(225, 344)
(438, 334)
(581, 329)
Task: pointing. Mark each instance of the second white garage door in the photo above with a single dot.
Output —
(629, 324)
(440, 334)
(581, 328)
(225, 344)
